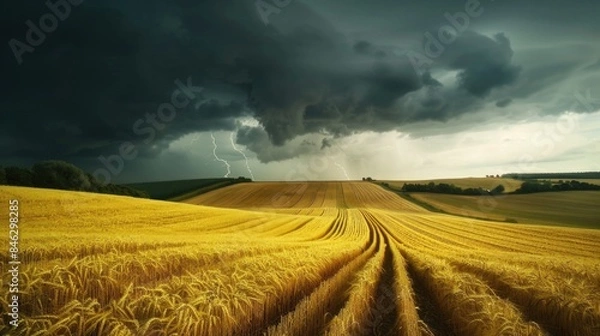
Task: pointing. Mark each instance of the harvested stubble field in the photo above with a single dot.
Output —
(331, 258)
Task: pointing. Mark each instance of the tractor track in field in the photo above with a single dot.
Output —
(384, 312)
(330, 296)
(428, 312)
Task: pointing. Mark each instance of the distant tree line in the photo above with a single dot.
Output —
(61, 175)
(526, 187)
(445, 188)
(545, 186)
(544, 176)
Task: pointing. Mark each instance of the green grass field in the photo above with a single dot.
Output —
(569, 208)
(471, 182)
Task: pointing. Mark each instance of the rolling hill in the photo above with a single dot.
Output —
(318, 258)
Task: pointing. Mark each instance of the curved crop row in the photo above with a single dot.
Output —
(360, 314)
(469, 305)
(562, 306)
(313, 313)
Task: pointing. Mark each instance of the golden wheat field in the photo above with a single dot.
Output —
(315, 258)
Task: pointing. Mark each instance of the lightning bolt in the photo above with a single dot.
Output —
(343, 151)
(243, 154)
(343, 169)
(218, 158)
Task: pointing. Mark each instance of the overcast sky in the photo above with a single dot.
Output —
(301, 89)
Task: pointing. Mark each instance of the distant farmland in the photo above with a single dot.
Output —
(464, 183)
(569, 208)
(165, 190)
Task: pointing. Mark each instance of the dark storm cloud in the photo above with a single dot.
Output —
(484, 63)
(504, 102)
(326, 143)
(366, 48)
(593, 67)
(83, 90)
(387, 83)
(257, 140)
(430, 81)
